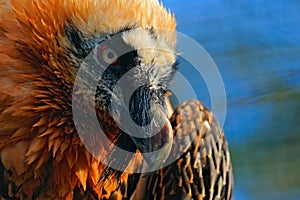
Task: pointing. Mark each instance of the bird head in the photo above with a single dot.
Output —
(135, 60)
(130, 71)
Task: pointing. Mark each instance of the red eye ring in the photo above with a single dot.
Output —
(108, 55)
(102, 49)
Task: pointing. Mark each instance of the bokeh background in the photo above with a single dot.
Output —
(256, 46)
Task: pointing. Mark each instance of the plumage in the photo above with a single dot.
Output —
(204, 170)
(42, 46)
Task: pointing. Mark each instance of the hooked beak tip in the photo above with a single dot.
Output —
(160, 146)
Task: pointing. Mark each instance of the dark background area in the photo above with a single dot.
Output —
(256, 46)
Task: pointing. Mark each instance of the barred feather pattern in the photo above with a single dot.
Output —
(204, 170)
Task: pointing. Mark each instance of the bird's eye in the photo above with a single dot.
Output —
(108, 55)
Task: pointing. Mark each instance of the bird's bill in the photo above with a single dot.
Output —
(157, 148)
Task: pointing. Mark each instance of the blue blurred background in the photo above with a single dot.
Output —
(256, 46)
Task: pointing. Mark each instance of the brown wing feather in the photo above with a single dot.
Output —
(204, 170)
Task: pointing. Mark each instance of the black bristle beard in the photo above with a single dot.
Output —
(124, 142)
